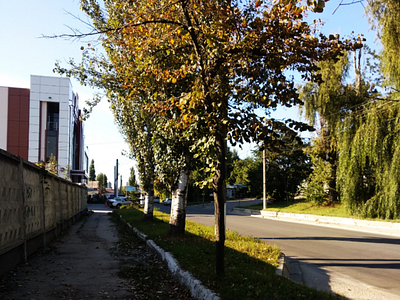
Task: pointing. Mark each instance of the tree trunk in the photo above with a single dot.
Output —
(148, 205)
(332, 193)
(357, 70)
(149, 197)
(219, 186)
(179, 199)
(149, 181)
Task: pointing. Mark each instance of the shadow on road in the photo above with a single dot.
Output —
(364, 263)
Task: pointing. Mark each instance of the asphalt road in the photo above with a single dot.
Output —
(358, 265)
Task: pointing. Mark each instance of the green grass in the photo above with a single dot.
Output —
(302, 207)
(250, 264)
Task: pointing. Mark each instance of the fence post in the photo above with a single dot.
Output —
(21, 196)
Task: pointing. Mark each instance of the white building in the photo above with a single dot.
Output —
(55, 127)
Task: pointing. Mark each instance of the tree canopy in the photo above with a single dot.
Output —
(102, 179)
(204, 68)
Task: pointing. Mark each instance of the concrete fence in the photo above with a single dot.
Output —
(35, 206)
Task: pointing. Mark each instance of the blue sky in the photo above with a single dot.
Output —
(23, 53)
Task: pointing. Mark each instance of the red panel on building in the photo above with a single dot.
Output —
(18, 122)
(13, 135)
(13, 107)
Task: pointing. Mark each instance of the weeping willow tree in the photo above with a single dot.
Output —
(370, 161)
(384, 15)
(370, 142)
(326, 105)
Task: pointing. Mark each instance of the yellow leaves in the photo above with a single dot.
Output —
(172, 41)
(174, 80)
(182, 103)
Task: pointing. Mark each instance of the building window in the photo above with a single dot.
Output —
(52, 130)
(52, 116)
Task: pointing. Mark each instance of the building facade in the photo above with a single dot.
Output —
(47, 120)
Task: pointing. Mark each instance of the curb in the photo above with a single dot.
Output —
(197, 289)
(289, 268)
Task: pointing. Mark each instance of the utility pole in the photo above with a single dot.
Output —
(264, 182)
(120, 186)
(116, 179)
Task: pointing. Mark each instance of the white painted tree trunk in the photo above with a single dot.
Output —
(178, 205)
(149, 204)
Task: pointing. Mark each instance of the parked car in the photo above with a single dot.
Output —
(118, 202)
(109, 200)
(167, 201)
(156, 199)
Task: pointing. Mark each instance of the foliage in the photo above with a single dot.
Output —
(102, 179)
(317, 184)
(286, 168)
(248, 172)
(385, 16)
(363, 128)
(132, 178)
(331, 102)
(231, 159)
(67, 172)
(328, 102)
(51, 166)
(92, 172)
(370, 177)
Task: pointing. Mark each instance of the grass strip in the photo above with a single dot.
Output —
(304, 207)
(250, 264)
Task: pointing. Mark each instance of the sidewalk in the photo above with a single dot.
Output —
(84, 263)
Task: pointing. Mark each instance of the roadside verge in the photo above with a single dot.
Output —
(197, 289)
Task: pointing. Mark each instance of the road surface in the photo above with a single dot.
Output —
(358, 265)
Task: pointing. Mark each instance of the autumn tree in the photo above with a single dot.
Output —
(213, 63)
(138, 128)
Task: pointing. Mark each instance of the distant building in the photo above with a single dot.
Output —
(236, 191)
(44, 121)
